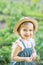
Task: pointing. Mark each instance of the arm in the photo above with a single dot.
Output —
(15, 50)
(33, 56)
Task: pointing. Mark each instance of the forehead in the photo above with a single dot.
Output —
(27, 25)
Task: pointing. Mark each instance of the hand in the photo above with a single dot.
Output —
(28, 59)
(33, 56)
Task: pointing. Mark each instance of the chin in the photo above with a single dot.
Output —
(27, 38)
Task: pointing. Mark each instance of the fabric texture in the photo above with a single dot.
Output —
(27, 52)
(28, 43)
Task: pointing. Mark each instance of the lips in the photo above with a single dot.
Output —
(26, 35)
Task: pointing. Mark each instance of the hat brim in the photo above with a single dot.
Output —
(24, 19)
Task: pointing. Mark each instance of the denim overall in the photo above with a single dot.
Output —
(27, 52)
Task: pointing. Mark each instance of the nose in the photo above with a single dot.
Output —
(28, 32)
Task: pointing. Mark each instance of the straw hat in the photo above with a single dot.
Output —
(25, 19)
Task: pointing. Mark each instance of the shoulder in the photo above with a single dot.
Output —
(33, 41)
(15, 48)
(16, 43)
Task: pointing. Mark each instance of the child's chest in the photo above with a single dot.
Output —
(26, 44)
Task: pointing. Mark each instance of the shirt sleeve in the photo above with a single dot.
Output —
(16, 42)
(20, 44)
(33, 42)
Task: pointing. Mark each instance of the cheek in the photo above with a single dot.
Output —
(21, 32)
(31, 34)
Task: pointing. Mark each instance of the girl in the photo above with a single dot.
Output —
(23, 49)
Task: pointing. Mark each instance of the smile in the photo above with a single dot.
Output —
(26, 35)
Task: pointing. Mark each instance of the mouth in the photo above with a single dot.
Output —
(26, 35)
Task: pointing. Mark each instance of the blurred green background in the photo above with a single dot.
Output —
(10, 12)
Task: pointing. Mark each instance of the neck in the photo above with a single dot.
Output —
(25, 39)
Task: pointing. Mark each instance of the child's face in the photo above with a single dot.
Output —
(26, 31)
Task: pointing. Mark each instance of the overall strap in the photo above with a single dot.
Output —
(22, 43)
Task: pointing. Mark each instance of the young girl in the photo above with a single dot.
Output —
(23, 49)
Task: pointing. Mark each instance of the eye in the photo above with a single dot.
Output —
(30, 30)
(25, 29)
